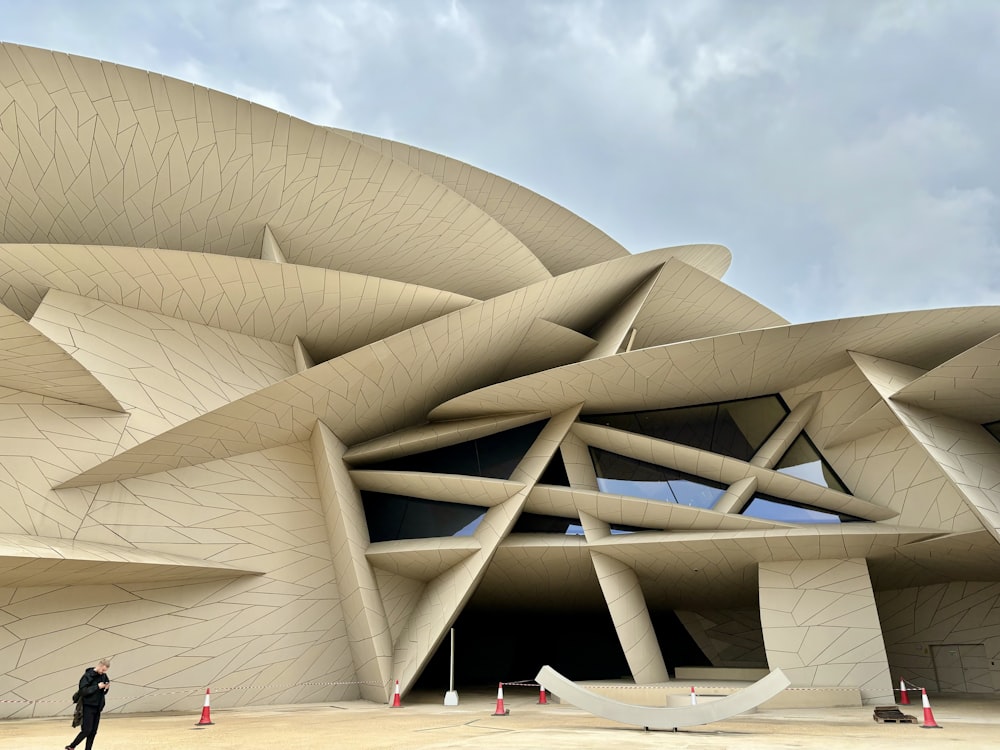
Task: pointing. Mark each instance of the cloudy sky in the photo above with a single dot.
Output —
(847, 151)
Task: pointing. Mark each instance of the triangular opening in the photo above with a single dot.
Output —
(622, 475)
(392, 517)
(555, 472)
(494, 456)
(733, 428)
(775, 509)
(538, 523)
(803, 461)
(993, 428)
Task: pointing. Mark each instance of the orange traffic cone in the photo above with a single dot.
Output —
(542, 697)
(500, 709)
(694, 697)
(929, 722)
(904, 694)
(206, 711)
(395, 698)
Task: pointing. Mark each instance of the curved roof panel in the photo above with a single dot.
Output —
(106, 154)
(687, 303)
(331, 311)
(31, 361)
(562, 240)
(732, 366)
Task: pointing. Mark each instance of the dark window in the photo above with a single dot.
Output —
(622, 475)
(392, 517)
(994, 429)
(494, 456)
(802, 460)
(555, 472)
(536, 523)
(734, 428)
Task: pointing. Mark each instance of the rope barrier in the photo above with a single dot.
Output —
(909, 686)
(201, 690)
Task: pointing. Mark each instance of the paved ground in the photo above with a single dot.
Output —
(423, 722)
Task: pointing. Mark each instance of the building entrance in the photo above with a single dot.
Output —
(962, 668)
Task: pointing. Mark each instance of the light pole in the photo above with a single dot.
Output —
(451, 697)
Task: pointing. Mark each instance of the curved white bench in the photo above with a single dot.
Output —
(652, 717)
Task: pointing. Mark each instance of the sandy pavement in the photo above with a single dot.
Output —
(423, 722)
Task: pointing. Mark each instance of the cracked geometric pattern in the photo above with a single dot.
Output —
(883, 460)
(247, 598)
(627, 605)
(30, 361)
(164, 371)
(215, 320)
(967, 386)
(331, 311)
(957, 613)
(967, 453)
(733, 366)
(821, 626)
(364, 612)
(560, 239)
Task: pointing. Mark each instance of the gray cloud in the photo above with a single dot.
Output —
(844, 151)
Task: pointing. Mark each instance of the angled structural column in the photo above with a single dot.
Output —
(821, 626)
(619, 583)
(966, 453)
(771, 452)
(445, 595)
(629, 612)
(611, 334)
(364, 613)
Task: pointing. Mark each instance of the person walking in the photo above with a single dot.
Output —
(94, 685)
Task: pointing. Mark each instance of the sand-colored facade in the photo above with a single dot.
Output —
(236, 343)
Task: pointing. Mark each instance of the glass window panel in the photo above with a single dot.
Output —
(470, 528)
(772, 510)
(627, 421)
(734, 428)
(538, 523)
(609, 465)
(744, 426)
(692, 425)
(632, 488)
(621, 475)
(803, 461)
(390, 517)
(495, 456)
(695, 493)
(499, 454)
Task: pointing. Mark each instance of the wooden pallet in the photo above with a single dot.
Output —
(892, 715)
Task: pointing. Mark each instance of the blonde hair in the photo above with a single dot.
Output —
(106, 661)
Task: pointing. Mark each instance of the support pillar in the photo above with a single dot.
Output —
(821, 626)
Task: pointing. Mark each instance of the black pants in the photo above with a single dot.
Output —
(88, 729)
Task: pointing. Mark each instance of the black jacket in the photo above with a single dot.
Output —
(89, 692)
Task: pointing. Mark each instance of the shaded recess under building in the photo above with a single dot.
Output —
(510, 645)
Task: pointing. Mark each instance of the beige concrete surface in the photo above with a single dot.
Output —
(219, 325)
(423, 722)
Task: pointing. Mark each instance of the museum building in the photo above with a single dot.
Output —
(282, 404)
